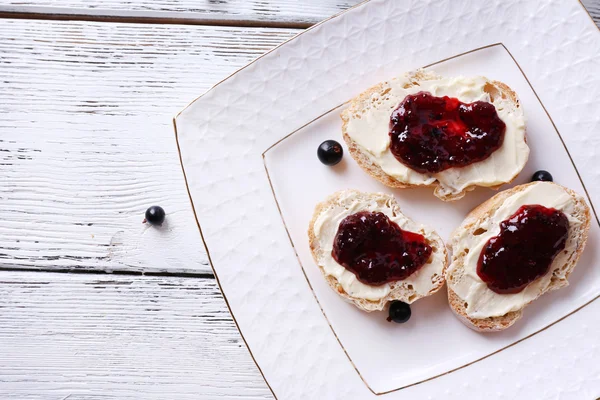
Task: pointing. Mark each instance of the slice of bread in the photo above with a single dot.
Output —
(384, 97)
(424, 282)
(556, 278)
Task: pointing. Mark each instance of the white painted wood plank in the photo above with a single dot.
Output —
(92, 336)
(593, 7)
(87, 142)
(279, 11)
(231, 11)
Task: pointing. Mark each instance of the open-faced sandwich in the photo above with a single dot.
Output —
(451, 133)
(510, 250)
(371, 254)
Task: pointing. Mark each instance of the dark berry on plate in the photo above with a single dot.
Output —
(399, 312)
(542, 175)
(155, 215)
(330, 152)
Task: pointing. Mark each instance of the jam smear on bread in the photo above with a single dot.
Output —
(430, 134)
(524, 249)
(377, 250)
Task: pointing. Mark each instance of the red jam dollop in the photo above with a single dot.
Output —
(430, 134)
(377, 250)
(524, 249)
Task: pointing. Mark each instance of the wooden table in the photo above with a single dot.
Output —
(93, 303)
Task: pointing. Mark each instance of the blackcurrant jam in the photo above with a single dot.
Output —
(377, 250)
(430, 134)
(524, 249)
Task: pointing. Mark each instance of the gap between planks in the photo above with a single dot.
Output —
(197, 275)
(146, 18)
(241, 13)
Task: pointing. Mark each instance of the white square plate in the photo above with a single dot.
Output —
(426, 351)
(307, 342)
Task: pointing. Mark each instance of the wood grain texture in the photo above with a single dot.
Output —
(120, 337)
(593, 7)
(87, 142)
(303, 12)
(294, 13)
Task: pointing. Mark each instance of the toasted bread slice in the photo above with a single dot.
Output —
(451, 184)
(479, 220)
(323, 226)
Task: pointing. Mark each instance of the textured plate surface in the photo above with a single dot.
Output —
(223, 134)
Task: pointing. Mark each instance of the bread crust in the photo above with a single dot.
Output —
(399, 290)
(494, 88)
(494, 324)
